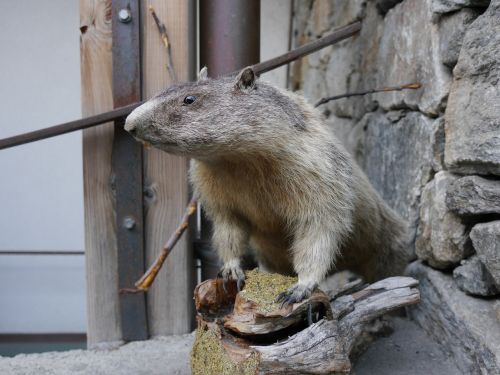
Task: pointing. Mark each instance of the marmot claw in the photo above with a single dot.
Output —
(234, 273)
(294, 294)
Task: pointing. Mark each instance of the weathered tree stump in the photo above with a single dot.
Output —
(247, 333)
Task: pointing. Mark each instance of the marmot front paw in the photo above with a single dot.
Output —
(232, 270)
(295, 294)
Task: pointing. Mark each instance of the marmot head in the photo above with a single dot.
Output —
(217, 117)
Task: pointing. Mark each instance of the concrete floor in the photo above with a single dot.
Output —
(408, 350)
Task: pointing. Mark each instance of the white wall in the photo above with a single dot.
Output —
(274, 35)
(41, 196)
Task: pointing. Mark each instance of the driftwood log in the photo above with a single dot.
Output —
(243, 333)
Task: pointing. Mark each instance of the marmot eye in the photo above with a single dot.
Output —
(189, 99)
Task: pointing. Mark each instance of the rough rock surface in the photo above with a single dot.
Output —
(348, 134)
(410, 52)
(401, 139)
(497, 309)
(344, 67)
(384, 5)
(466, 326)
(473, 111)
(474, 195)
(329, 14)
(486, 241)
(446, 6)
(452, 29)
(442, 238)
(397, 158)
(472, 277)
(437, 141)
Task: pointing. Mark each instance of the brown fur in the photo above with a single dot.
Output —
(272, 176)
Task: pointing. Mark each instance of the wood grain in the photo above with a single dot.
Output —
(103, 317)
(323, 347)
(170, 304)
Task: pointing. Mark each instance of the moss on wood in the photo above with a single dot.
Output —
(209, 358)
(263, 288)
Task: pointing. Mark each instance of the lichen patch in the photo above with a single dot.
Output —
(263, 288)
(209, 358)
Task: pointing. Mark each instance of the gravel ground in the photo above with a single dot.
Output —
(165, 355)
(407, 351)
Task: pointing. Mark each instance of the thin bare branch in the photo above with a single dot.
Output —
(164, 37)
(410, 86)
(144, 283)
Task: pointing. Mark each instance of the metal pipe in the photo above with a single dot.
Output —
(229, 40)
(229, 35)
(118, 113)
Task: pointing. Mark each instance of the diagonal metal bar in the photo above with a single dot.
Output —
(68, 127)
(263, 67)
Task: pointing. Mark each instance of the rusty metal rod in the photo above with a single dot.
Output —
(118, 113)
(68, 127)
(308, 48)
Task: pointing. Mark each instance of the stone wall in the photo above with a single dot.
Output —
(433, 154)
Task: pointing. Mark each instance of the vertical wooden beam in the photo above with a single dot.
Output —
(127, 168)
(103, 317)
(170, 305)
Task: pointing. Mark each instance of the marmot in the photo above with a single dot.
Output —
(272, 176)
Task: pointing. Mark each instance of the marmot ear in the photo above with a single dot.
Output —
(203, 74)
(246, 79)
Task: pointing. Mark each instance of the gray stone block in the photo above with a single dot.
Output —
(437, 141)
(327, 15)
(474, 195)
(348, 132)
(497, 309)
(466, 327)
(446, 6)
(397, 159)
(452, 29)
(352, 65)
(473, 112)
(486, 241)
(442, 238)
(473, 278)
(410, 52)
(344, 67)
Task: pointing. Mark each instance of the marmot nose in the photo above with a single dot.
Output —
(140, 118)
(130, 126)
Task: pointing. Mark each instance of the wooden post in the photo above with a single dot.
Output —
(103, 314)
(170, 304)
